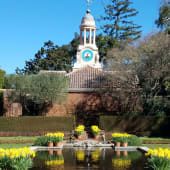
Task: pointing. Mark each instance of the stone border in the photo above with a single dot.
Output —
(44, 148)
(68, 145)
(132, 148)
(143, 149)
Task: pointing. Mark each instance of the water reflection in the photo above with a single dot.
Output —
(87, 158)
(80, 155)
(96, 158)
(121, 160)
(55, 160)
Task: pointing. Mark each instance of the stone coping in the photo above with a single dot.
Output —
(143, 149)
(44, 148)
(132, 148)
(69, 145)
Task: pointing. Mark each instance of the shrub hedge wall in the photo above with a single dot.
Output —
(36, 124)
(139, 125)
(1, 103)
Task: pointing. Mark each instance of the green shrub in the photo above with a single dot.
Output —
(41, 141)
(134, 141)
(16, 159)
(1, 103)
(44, 89)
(2, 74)
(156, 107)
(157, 163)
(36, 124)
(141, 125)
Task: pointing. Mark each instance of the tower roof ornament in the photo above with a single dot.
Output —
(89, 1)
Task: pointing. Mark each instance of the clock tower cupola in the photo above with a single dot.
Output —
(87, 52)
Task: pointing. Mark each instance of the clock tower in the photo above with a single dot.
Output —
(87, 52)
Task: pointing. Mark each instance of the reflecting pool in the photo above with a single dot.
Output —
(88, 159)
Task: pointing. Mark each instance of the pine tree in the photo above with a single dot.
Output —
(163, 21)
(118, 24)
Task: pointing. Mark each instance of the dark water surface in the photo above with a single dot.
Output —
(90, 159)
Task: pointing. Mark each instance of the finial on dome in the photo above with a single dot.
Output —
(88, 1)
(88, 11)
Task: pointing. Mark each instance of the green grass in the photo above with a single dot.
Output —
(14, 145)
(153, 138)
(153, 146)
(19, 138)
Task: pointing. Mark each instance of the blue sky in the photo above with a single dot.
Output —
(26, 24)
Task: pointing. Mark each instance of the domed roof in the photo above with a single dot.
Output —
(88, 20)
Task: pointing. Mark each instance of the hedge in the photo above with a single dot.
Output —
(36, 124)
(139, 125)
(1, 103)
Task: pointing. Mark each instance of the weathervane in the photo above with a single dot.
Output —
(88, 1)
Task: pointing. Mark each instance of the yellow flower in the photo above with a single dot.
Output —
(58, 134)
(80, 155)
(80, 128)
(95, 128)
(119, 135)
(15, 153)
(159, 152)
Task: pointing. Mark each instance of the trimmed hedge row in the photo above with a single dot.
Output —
(1, 103)
(139, 125)
(36, 124)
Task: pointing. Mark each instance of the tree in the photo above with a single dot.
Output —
(118, 24)
(37, 92)
(52, 57)
(73, 47)
(155, 63)
(2, 74)
(150, 60)
(163, 21)
(121, 82)
(104, 43)
(49, 57)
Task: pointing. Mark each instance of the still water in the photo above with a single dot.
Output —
(94, 159)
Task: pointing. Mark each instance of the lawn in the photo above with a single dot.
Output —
(153, 146)
(153, 138)
(19, 138)
(14, 145)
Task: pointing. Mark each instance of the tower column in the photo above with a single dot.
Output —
(84, 36)
(94, 37)
(81, 38)
(90, 37)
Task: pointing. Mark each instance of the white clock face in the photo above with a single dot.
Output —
(87, 55)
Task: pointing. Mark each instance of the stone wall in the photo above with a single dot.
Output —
(77, 102)
(10, 109)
